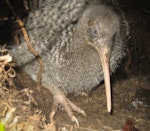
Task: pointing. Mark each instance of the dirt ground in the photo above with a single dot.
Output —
(130, 86)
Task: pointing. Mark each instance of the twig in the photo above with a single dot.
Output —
(30, 47)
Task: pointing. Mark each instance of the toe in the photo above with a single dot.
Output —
(76, 108)
(60, 99)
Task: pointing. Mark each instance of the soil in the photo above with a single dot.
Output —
(131, 102)
(130, 86)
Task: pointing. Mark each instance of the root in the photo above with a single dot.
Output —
(30, 47)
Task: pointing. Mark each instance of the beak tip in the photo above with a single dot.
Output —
(109, 110)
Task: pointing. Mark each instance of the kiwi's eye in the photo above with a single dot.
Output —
(95, 32)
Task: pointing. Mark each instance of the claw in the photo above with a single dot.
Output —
(74, 119)
(52, 115)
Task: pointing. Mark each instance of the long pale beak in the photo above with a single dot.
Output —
(104, 55)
